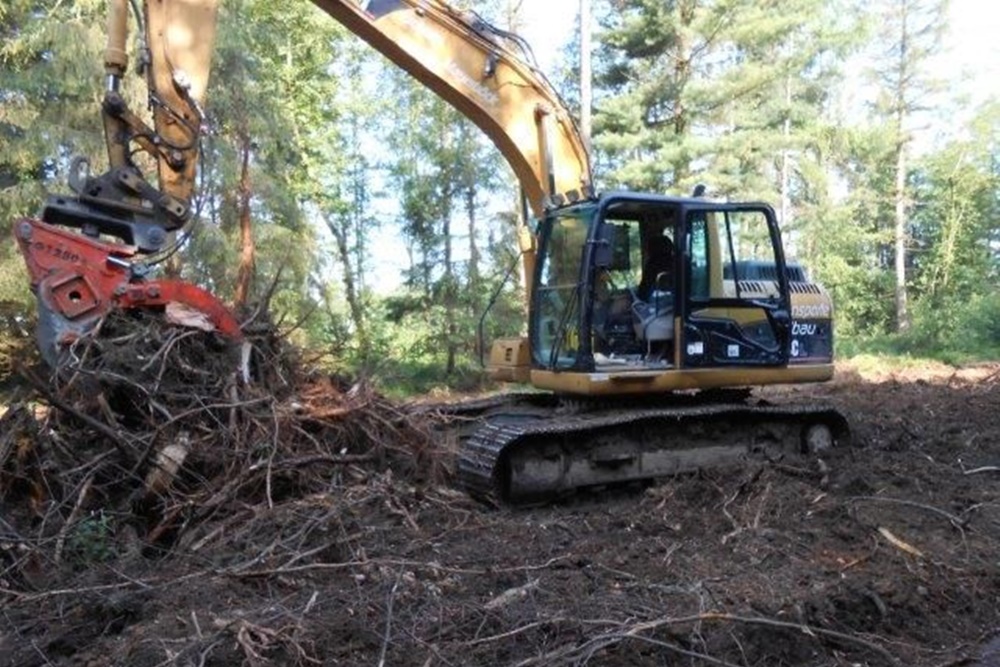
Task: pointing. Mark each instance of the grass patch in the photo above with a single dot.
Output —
(878, 364)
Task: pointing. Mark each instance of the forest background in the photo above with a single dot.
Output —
(383, 222)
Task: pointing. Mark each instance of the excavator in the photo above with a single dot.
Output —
(649, 316)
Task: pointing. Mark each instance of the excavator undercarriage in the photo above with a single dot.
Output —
(533, 448)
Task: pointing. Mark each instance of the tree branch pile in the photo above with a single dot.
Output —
(170, 500)
(154, 429)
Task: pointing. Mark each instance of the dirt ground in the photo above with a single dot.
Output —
(886, 553)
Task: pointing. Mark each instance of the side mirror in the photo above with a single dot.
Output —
(612, 250)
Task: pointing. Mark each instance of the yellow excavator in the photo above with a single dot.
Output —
(648, 315)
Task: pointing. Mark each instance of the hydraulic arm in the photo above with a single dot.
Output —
(485, 73)
(125, 221)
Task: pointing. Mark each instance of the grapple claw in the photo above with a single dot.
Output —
(77, 280)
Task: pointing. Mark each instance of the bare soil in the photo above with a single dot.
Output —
(884, 553)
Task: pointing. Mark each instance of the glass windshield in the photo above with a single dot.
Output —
(733, 275)
(749, 267)
(556, 313)
(732, 256)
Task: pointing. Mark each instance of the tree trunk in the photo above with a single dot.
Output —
(586, 95)
(786, 199)
(902, 315)
(682, 74)
(351, 292)
(449, 187)
(248, 250)
(470, 211)
(470, 189)
(449, 294)
(899, 192)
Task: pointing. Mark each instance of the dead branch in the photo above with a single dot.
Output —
(392, 562)
(511, 595)
(954, 520)
(636, 630)
(981, 469)
(120, 443)
(61, 537)
(388, 620)
(503, 636)
(899, 543)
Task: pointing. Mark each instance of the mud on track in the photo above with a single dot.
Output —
(887, 553)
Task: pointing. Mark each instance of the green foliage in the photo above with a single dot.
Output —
(955, 221)
(726, 93)
(405, 355)
(956, 262)
(17, 340)
(268, 89)
(955, 331)
(444, 172)
(862, 298)
(91, 540)
(49, 96)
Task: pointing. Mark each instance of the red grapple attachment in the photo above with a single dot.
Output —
(77, 280)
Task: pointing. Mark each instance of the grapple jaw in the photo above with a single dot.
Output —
(77, 280)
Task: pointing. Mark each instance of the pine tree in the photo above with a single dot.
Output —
(50, 92)
(270, 65)
(730, 93)
(911, 32)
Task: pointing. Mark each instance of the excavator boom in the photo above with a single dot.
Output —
(486, 74)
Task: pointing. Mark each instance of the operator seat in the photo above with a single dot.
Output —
(653, 309)
(658, 268)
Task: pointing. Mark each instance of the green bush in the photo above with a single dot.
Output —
(91, 540)
(953, 330)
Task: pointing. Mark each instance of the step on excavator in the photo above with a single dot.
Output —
(649, 316)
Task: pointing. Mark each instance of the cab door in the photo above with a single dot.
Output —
(735, 303)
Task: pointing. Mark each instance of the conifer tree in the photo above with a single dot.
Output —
(50, 92)
(726, 92)
(910, 33)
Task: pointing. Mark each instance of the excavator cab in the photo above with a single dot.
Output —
(634, 298)
(657, 287)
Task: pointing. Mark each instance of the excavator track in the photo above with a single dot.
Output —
(527, 449)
